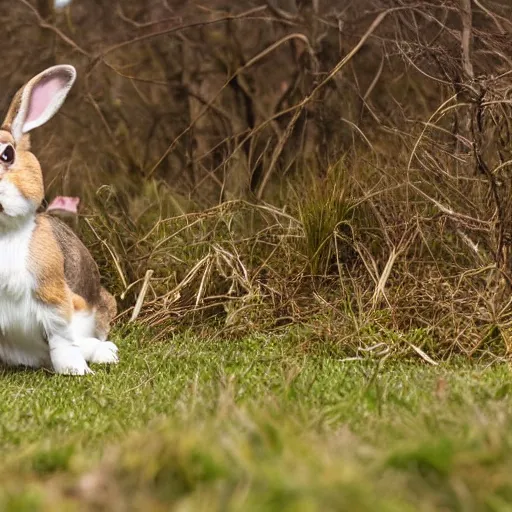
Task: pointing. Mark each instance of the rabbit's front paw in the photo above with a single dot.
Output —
(69, 361)
(105, 352)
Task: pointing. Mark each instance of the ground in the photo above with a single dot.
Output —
(264, 423)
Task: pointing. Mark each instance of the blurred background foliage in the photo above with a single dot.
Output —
(342, 166)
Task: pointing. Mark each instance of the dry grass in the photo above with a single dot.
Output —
(251, 166)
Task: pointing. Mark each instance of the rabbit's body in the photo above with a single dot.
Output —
(53, 310)
(24, 280)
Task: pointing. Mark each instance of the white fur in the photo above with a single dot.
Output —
(83, 324)
(93, 350)
(32, 333)
(97, 351)
(21, 340)
(16, 208)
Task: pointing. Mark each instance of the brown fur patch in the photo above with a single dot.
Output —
(14, 108)
(25, 174)
(105, 312)
(47, 264)
(82, 275)
(79, 303)
(6, 137)
(80, 269)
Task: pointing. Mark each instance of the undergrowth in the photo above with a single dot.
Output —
(253, 165)
(329, 262)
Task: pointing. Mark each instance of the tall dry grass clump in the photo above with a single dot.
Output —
(337, 169)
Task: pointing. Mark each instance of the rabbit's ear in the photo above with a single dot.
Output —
(38, 101)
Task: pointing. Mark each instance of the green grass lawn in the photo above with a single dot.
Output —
(258, 424)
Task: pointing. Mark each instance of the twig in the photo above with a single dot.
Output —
(141, 296)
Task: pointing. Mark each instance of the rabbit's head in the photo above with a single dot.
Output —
(21, 180)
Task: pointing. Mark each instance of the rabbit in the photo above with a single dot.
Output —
(54, 313)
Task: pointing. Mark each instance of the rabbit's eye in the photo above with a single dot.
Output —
(7, 155)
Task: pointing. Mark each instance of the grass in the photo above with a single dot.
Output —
(256, 424)
(413, 219)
